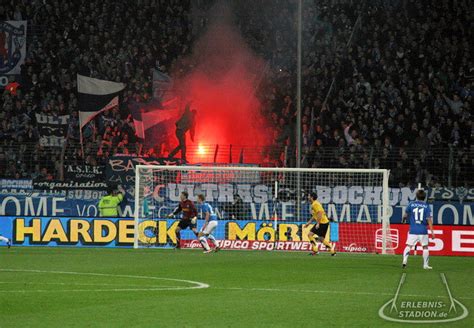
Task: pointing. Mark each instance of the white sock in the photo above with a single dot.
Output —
(204, 243)
(213, 239)
(426, 257)
(406, 253)
(4, 239)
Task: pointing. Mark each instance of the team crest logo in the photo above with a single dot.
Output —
(12, 46)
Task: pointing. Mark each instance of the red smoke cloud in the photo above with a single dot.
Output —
(222, 87)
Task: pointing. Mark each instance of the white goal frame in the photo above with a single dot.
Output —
(385, 191)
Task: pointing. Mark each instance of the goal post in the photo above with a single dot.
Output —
(258, 207)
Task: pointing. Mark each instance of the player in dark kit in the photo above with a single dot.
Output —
(189, 218)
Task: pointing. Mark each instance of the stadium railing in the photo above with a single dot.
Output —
(448, 165)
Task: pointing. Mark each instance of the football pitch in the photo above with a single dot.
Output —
(98, 287)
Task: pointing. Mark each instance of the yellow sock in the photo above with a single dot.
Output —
(327, 244)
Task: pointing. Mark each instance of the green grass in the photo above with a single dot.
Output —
(246, 289)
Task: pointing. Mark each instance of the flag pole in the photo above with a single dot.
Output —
(80, 137)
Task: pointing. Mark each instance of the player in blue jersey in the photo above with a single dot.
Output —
(210, 224)
(6, 240)
(419, 216)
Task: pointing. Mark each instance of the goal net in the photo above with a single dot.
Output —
(265, 208)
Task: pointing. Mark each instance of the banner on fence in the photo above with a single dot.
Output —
(83, 173)
(120, 170)
(56, 185)
(16, 186)
(52, 129)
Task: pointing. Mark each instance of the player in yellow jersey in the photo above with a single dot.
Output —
(320, 229)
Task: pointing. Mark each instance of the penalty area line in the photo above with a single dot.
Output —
(282, 290)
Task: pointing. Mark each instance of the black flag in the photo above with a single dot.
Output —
(96, 96)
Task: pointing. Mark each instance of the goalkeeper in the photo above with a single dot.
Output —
(189, 217)
(320, 229)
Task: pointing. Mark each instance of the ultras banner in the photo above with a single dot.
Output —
(52, 129)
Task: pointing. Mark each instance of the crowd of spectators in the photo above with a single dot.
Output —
(119, 41)
(384, 83)
(404, 86)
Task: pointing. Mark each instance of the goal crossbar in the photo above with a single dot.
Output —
(259, 169)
